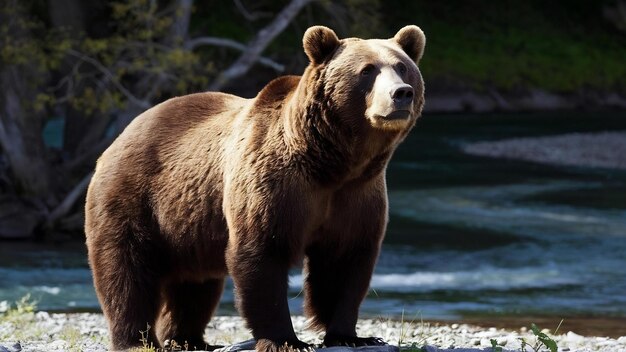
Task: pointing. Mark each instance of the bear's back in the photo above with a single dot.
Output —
(168, 145)
(162, 128)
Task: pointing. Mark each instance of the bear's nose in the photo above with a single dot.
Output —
(402, 95)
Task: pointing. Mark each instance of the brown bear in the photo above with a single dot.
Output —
(210, 184)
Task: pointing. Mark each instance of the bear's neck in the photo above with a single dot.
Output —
(327, 153)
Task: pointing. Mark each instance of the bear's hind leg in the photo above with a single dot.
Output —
(187, 309)
(129, 295)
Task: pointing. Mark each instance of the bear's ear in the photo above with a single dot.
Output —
(412, 40)
(319, 42)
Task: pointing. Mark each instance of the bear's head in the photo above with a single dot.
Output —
(374, 82)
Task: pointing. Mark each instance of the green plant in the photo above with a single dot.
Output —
(19, 318)
(72, 336)
(403, 344)
(413, 347)
(542, 339)
(146, 346)
(24, 306)
(18, 313)
(494, 345)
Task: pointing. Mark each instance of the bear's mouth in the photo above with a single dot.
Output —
(397, 115)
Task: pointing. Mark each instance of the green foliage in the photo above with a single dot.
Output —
(560, 46)
(72, 336)
(139, 60)
(412, 347)
(22, 307)
(494, 345)
(18, 319)
(542, 339)
(30, 49)
(354, 18)
(142, 56)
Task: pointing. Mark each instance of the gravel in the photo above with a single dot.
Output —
(598, 150)
(88, 332)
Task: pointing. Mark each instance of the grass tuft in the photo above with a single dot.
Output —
(405, 334)
(18, 319)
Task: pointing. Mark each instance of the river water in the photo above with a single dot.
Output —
(468, 236)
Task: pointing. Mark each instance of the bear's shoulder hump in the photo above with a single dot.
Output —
(277, 89)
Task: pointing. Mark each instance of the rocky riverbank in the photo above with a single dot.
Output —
(600, 150)
(44, 331)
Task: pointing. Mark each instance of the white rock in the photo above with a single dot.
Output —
(58, 345)
(485, 342)
(41, 316)
(573, 337)
(4, 306)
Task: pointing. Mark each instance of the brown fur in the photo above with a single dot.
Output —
(210, 184)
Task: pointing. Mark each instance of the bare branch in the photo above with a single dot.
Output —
(250, 16)
(68, 79)
(133, 99)
(153, 45)
(90, 155)
(259, 43)
(229, 43)
(180, 28)
(69, 200)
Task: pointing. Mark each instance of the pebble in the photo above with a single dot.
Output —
(88, 332)
(574, 337)
(57, 345)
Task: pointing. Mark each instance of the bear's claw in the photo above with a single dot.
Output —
(299, 347)
(352, 341)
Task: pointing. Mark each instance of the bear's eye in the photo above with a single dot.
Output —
(367, 70)
(401, 67)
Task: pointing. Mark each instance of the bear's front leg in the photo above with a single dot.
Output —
(260, 274)
(336, 284)
(265, 215)
(340, 264)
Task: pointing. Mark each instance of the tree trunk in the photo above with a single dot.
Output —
(20, 133)
(79, 129)
(182, 17)
(21, 125)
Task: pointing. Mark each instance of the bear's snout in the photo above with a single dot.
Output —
(402, 96)
(392, 100)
